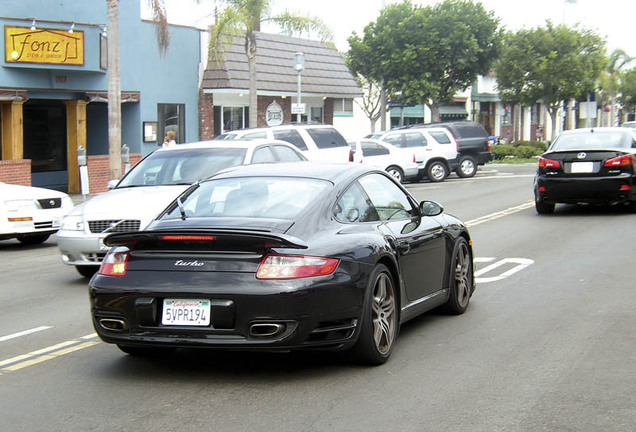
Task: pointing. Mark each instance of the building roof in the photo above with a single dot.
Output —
(325, 74)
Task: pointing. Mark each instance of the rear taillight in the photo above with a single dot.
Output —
(187, 238)
(294, 267)
(115, 262)
(414, 160)
(351, 153)
(620, 161)
(548, 163)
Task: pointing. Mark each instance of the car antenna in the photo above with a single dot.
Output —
(181, 209)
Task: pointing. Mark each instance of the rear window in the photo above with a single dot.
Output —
(255, 197)
(469, 131)
(182, 166)
(291, 136)
(593, 140)
(326, 137)
(441, 137)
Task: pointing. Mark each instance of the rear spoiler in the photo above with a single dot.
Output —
(256, 239)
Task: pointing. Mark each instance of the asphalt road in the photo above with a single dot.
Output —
(548, 343)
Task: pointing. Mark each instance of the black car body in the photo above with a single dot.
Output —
(295, 256)
(587, 166)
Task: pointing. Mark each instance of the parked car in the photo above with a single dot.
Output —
(473, 145)
(31, 214)
(629, 124)
(399, 163)
(318, 142)
(296, 256)
(149, 187)
(435, 149)
(587, 166)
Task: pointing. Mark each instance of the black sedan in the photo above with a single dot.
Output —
(587, 166)
(283, 257)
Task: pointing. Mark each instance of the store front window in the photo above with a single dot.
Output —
(171, 117)
(45, 135)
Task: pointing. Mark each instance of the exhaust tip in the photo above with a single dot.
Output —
(266, 330)
(113, 324)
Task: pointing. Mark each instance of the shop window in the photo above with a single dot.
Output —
(171, 117)
(343, 107)
(234, 118)
(507, 117)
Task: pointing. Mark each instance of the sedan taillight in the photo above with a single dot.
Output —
(620, 161)
(294, 267)
(548, 163)
(115, 262)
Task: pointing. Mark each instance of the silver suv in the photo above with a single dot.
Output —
(435, 149)
(318, 142)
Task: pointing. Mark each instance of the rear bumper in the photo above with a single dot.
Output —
(593, 190)
(314, 313)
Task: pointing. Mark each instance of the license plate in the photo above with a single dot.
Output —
(186, 312)
(582, 167)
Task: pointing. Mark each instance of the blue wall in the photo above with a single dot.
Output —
(169, 78)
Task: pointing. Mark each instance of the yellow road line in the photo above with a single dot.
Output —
(48, 353)
(500, 214)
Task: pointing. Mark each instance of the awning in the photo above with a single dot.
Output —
(13, 95)
(416, 111)
(103, 97)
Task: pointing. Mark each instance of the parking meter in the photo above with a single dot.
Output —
(125, 157)
(81, 156)
(83, 171)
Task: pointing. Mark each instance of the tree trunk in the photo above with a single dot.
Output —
(435, 117)
(114, 93)
(250, 49)
(553, 111)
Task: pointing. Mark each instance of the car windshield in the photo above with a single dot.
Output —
(182, 166)
(257, 197)
(592, 140)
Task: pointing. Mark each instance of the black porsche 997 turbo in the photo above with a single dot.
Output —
(283, 257)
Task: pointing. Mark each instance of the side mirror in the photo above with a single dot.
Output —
(111, 184)
(430, 208)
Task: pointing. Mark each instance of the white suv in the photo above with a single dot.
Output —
(318, 142)
(435, 149)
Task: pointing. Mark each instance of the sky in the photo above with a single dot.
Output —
(613, 20)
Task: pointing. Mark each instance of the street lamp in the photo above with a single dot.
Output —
(299, 66)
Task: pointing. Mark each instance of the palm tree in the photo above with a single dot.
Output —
(610, 79)
(244, 18)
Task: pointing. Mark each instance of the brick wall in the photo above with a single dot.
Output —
(328, 112)
(16, 171)
(98, 171)
(206, 116)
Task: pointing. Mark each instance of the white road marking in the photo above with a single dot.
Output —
(24, 333)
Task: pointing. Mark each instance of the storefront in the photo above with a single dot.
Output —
(54, 89)
(327, 86)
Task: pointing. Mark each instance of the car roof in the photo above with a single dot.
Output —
(597, 129)
(332, 172)
(238, 143)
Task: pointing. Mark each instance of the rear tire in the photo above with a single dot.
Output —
(380, 322)
(543, 207)
(87, 271)
(467, 167)
(33, 239)
(396, 173)
(437, 171)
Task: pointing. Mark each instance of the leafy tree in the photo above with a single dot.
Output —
(628, 89)
(427, 54)
(551, 63)
(244, 18)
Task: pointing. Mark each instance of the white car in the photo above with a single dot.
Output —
(400, 163)
(435, 149)
(149, 187)
(318, 142)
(31, 214)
